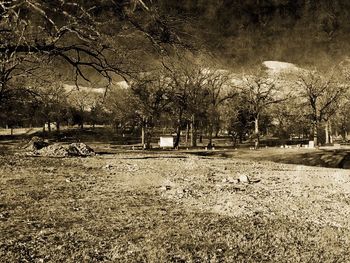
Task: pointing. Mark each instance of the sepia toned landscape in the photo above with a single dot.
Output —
(233, 205)
(174, 131)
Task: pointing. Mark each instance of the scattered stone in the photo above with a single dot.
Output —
(233, 181)
(244, 179)
(107, 166)
(230, 181)
(49, 169)
(165, 188)
(131, 167)
(4, 215)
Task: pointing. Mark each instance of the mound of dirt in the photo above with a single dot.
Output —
(36, 143)
(65, 150)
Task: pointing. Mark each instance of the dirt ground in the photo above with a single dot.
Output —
(171, 207)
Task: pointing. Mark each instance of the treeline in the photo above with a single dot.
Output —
(191, 98)
(51, 107)
(198, 100)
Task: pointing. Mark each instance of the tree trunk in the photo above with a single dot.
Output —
(148, 137)
(193, 132)
(315, 132)
(330, 133)
(326, 129)
(178, 131)
(58, 126)
(257, 138)
(217, 129)
(11, 130)
(217, 133)
(146, 134)
(49, 125)
(178, 135)
(234, 140)
(187, 133)
(210, 135)
(331, 141)
(143, 133)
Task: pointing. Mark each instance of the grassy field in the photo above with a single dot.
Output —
(171, 207)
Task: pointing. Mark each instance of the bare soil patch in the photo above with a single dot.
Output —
(140, 207)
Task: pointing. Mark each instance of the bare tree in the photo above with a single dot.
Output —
(122, 106)
(189, 95)
(151, 93)
(86, 35)
(52, 100)
(220, 88)
(291, 118)
(322, 92)
(84, 101)
(260, 91)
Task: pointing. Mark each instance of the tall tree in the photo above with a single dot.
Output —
(321, 91)
(52, 101)
(83, 101)
(151, 93)
(260, 90)
(220, 87)
(188, 81)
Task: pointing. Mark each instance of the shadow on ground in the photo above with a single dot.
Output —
(320, 158)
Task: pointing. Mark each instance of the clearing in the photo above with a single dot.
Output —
(133, 206)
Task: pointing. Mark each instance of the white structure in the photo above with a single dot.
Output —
(166, 142)
(311, 144)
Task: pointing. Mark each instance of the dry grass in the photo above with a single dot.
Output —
(116, 209)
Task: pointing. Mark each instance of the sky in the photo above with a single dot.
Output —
(231, 33)
(243, 32)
